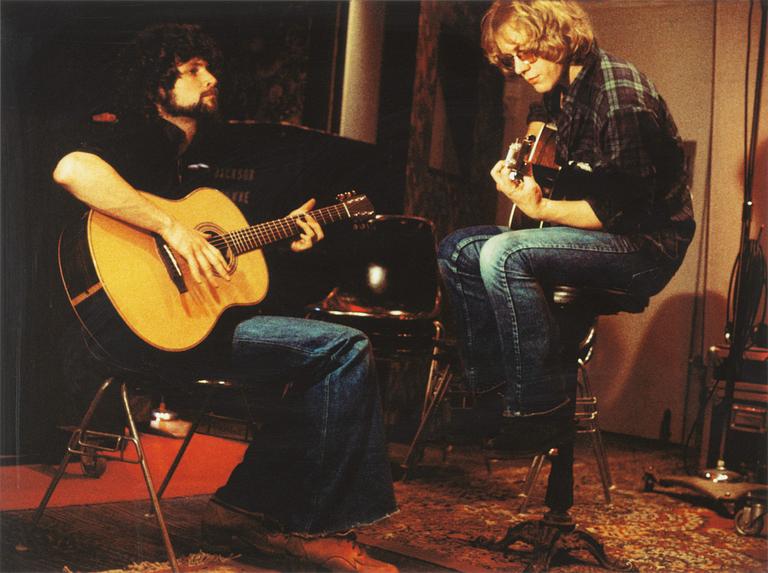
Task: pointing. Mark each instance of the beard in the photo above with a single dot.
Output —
(207, 106)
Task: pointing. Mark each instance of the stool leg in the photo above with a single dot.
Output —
(559, 498)
(597, 438)
(434, 391)
(433, 365)
(148, 480)
(440, 387)
(84, 423)
(602, 464)
(530, 480)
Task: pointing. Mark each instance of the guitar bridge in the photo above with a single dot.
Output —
(171, 265)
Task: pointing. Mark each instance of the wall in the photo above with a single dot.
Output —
(695, 52)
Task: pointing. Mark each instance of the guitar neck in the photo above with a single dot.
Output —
(258, 236)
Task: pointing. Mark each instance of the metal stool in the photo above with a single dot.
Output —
(112, 446)
(586, 423)
(556, 531)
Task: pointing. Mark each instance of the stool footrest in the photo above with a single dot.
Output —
(102, 444)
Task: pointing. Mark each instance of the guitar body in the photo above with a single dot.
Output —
(117, 277)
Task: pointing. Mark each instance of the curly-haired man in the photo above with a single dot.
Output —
(320, 469)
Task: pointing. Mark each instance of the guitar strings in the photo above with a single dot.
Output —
(267, 232)
(242, 240)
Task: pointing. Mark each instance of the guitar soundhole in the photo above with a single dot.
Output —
(216, 238)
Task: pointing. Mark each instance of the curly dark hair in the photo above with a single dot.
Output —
(149, 63)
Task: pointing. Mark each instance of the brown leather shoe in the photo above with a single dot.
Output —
(335, 553)
(223, 526)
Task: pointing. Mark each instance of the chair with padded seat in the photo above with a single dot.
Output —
(99, 446)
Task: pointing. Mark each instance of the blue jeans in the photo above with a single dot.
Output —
(320, 466)
(508, 335)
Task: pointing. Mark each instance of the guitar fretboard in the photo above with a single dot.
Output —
(257, 236)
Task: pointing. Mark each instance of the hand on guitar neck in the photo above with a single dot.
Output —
(311, 231)
(525, 193)
(530, 165)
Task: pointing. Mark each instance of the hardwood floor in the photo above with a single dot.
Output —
(111, 536)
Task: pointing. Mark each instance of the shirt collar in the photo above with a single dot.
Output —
(590, 62)
(172, 134)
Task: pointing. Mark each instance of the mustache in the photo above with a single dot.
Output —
(212, 91)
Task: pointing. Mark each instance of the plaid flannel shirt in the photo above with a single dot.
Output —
(620, 151)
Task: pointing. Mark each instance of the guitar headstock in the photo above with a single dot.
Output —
(359, 207)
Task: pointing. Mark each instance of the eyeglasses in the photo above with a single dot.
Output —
(508, 60)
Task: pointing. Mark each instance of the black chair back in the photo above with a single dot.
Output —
(391, 272)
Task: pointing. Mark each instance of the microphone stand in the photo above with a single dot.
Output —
(741, 327)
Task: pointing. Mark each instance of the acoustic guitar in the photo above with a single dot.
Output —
(119, 277)
(533, 156)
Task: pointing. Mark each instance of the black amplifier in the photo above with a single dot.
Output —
(746, 444)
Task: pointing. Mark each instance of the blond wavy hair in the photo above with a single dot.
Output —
(557, 30)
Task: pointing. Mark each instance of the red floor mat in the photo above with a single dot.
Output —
(206, 466)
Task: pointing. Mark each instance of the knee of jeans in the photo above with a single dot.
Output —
(355, 358)
(446, 248)
(457, 243)
(354, 338)
(459, 251)
(499, 256)
(354, 342)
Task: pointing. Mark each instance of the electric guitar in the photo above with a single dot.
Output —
(533, 156)
(118, 276)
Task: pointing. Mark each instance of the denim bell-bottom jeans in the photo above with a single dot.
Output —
(319, 465)
(508, 335)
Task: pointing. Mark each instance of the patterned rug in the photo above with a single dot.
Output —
(200, 561)
(445, 506)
